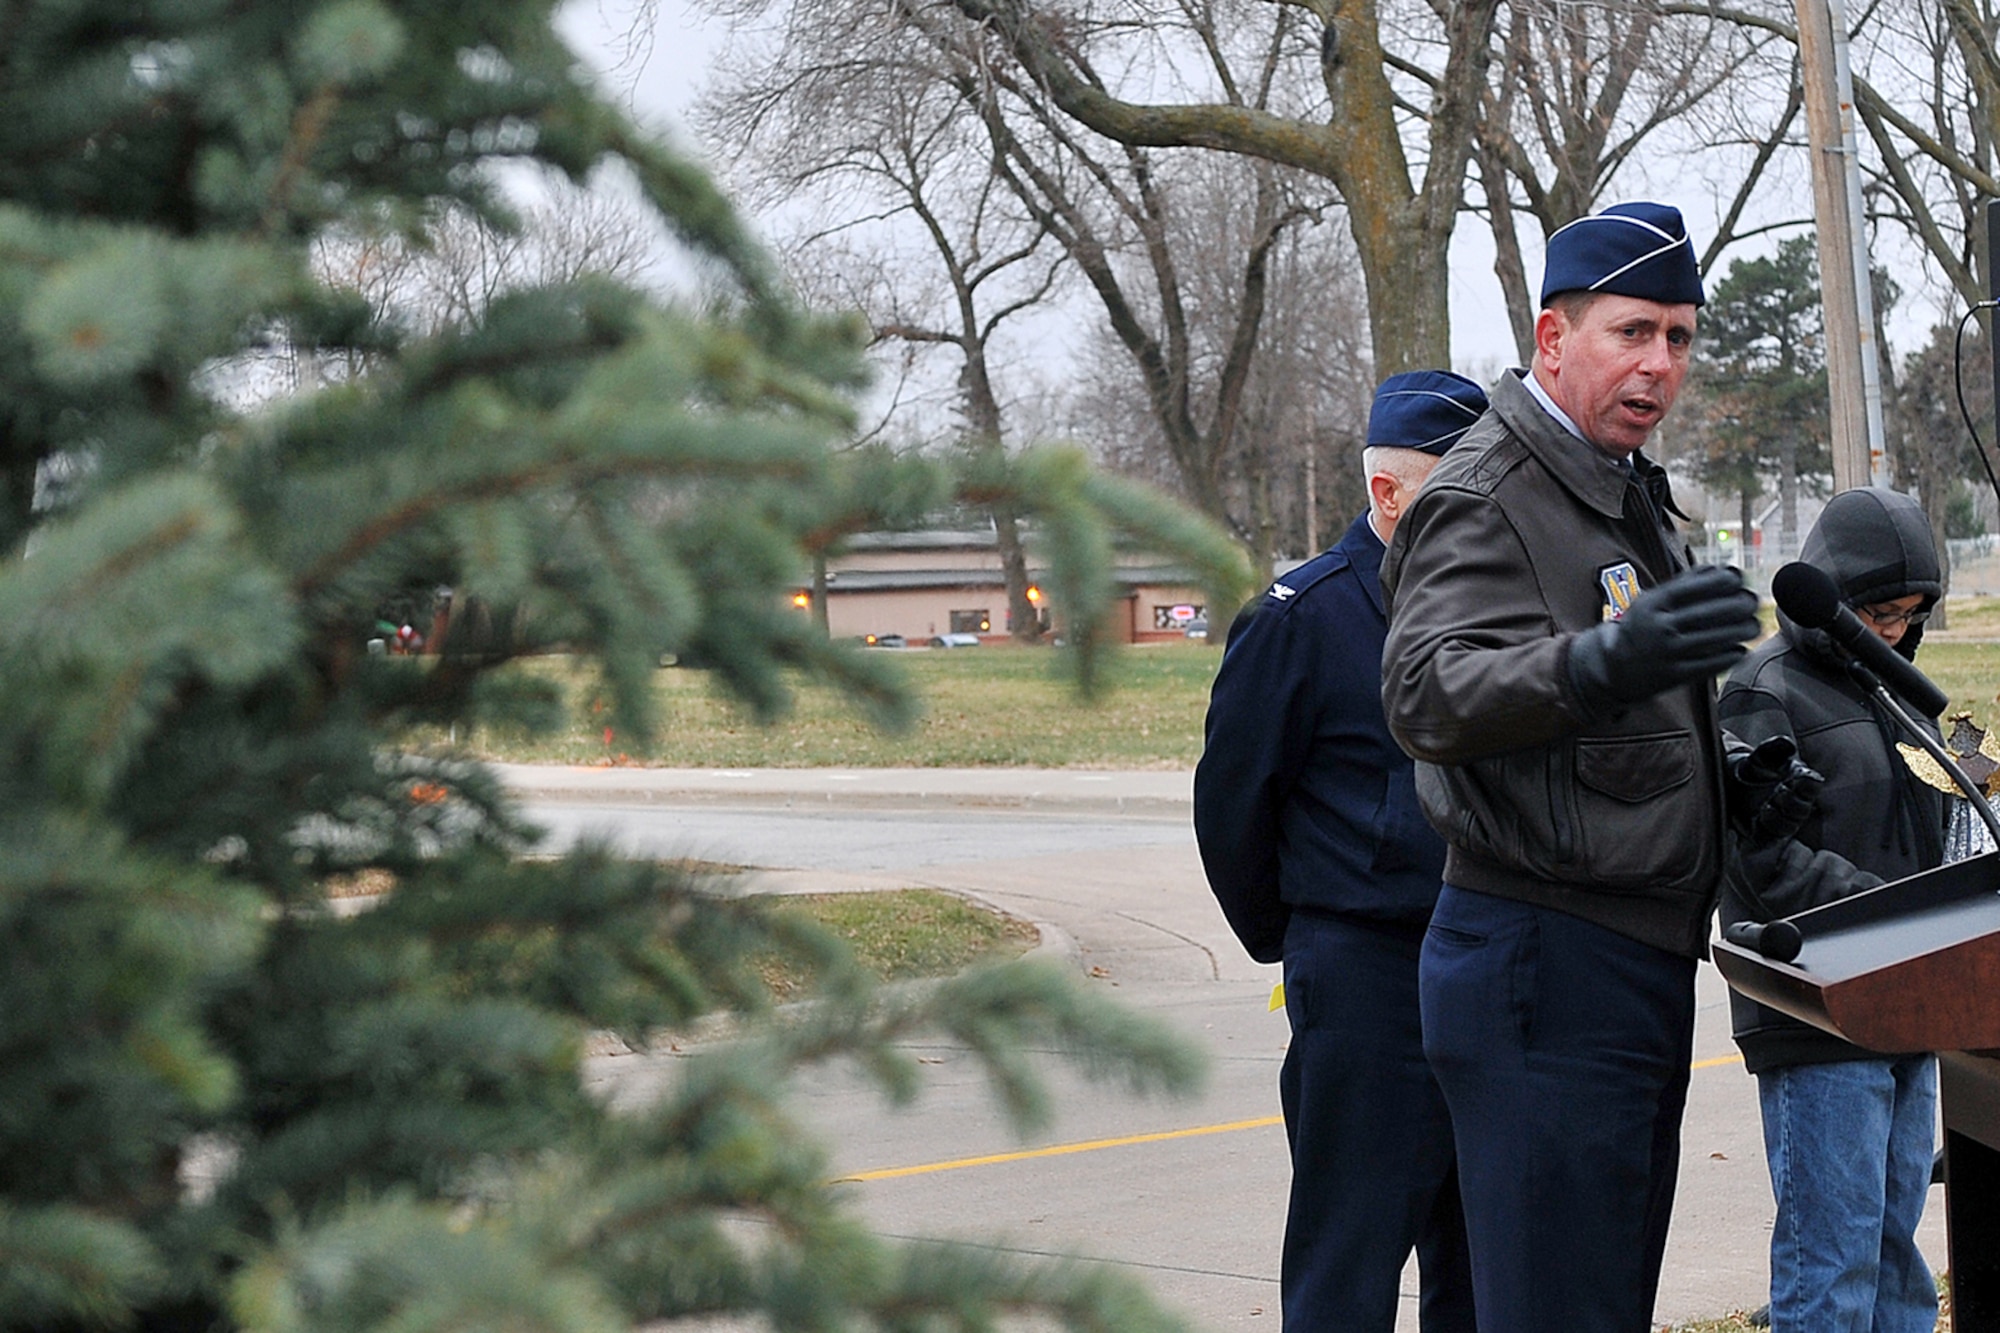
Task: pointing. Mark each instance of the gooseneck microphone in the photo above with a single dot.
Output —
(1807, 594)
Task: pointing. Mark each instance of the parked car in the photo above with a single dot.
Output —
(1197, 628)
(954, 640)
(883, 641)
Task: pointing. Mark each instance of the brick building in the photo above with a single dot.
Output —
(923, 584)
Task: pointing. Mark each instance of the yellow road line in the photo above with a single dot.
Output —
(1092, 1145)
(1061, 1149)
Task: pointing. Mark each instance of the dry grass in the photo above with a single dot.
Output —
(1967, 671)
(900, 934)
(1739, 1321)
(1002, 706)
(994, 706)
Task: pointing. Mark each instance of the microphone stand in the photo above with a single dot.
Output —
(1871, 682)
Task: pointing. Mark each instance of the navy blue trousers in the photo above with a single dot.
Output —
(1372, 1173)
(1563, 1052)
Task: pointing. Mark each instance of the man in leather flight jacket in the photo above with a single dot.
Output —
(1550, 664)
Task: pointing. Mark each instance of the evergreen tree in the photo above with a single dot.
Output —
(1760, 389)
(224, 1104)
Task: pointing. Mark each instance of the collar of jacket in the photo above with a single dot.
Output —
(1583, 470)
(1364, 552)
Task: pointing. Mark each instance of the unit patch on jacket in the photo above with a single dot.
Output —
(1621, 584)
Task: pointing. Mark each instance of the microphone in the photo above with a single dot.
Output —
(1807, 594)
(1779, 941)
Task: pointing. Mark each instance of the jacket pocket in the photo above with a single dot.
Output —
(1633, 820)
(1633, 769)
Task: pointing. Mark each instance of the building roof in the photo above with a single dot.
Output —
(892, 580)
(927, 539)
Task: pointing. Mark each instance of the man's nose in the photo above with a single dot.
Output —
(1658, 357)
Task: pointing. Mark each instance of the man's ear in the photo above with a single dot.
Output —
(1386, 494)
(1551, 329)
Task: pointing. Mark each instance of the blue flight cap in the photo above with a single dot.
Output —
(1639, 250)
(1424, 409)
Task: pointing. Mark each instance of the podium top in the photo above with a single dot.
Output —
(1913, 965)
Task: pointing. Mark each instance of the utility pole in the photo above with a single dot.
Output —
(1821, 55)
(1864, 276)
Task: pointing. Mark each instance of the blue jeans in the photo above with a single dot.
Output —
(1849, 1146)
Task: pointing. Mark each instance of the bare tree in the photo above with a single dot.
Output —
(1933, 121)
(911, 224)
(449, 268)
(1179, 255)
(1927, 92)
(1927, 95)
(1387, 101)
(1305, 85)
(1251, 349)
(1578, 91)
(1178, 249)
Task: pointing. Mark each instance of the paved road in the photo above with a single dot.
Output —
(1189, 1195)
(848, 839)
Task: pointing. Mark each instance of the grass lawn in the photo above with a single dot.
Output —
(1967, 671)
(989, 706)
(1729, 1323)
(1003, 706)
(900, 934)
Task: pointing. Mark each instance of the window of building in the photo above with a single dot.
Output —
(1177, 615)
(970, 622)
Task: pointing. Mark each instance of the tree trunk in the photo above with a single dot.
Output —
(1508, 264)
(1402, 232)
(819, 596)
(1024, 618)
(1407, 271)
(982, 414)
(1311, 547)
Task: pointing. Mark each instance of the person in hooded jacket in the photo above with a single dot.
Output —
(1848, 1132)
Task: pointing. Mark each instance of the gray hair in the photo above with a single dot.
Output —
(1408, 466)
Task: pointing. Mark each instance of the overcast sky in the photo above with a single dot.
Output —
(661, 79)
(659, 85)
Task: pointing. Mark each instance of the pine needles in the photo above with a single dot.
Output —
(224, 1103)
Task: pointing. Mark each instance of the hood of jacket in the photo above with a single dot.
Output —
(1876, 545)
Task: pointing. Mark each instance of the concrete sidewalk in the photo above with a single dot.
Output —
(1199, 1217)
(1167, 793)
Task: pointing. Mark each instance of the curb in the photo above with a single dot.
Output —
(1159, 795)
(1146, 807)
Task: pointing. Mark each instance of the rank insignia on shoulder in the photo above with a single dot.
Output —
(1621, 584)
(1282, 593)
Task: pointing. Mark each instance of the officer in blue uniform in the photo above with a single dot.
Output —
(1307, 818)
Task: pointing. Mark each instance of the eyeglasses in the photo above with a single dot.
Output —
(1888, 617)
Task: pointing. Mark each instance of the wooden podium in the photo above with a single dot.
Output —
(1915, 966)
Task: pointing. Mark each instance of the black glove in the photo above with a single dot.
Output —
(1771, 792)
(1690, 627)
